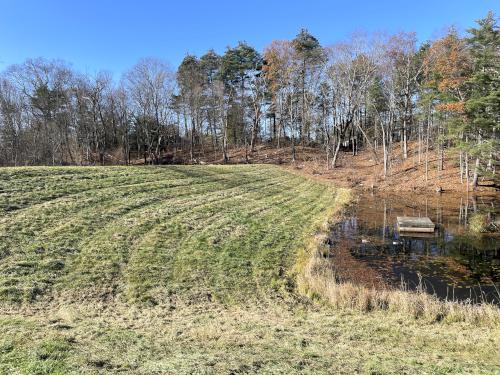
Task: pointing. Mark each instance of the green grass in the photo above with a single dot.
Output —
(151, 233)
(182, 270)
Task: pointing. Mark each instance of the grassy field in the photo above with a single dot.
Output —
(191, 270)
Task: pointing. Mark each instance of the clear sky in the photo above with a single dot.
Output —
(113, 35)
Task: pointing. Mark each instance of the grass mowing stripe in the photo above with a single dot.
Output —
(193, 251)
(155, 251)
(100, 196)
(265, 268)
(63, 186)
(103, 253)
(116, 248)
(53, 214)
(105, 211)
(113, 184)
(36, 287)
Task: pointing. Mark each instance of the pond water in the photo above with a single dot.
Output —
(451, 262)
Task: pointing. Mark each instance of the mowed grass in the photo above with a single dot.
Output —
(151, 234)
(187, 270)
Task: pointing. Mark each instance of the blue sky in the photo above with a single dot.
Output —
(113, 35)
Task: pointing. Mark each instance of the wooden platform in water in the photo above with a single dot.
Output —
(415, 224)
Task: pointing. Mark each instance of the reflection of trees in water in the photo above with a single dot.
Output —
(450, 254)
(479, 254)
(442, 209)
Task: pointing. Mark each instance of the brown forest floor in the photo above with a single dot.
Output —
(360, 171)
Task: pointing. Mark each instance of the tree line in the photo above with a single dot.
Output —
(370, 91)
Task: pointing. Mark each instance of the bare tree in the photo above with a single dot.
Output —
(150, 85)
(350, 73)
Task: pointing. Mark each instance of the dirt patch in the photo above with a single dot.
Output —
(363, 172)
(360, 171)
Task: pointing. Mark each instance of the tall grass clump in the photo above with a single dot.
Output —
(478, 223)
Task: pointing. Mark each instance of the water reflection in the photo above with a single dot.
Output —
(451, 262)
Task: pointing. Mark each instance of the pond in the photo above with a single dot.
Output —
(452, 263)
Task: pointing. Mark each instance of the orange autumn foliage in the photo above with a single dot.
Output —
(449, 63)
(455, 107)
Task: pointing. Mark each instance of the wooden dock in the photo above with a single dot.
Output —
(415, 224)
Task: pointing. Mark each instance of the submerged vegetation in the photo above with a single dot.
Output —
(203, 269)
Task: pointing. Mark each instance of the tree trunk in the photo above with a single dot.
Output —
(336, 151)
(224, 141)
(475, 178)
(405, 141)
(384, 146)
(255, 128)
(191, 150)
